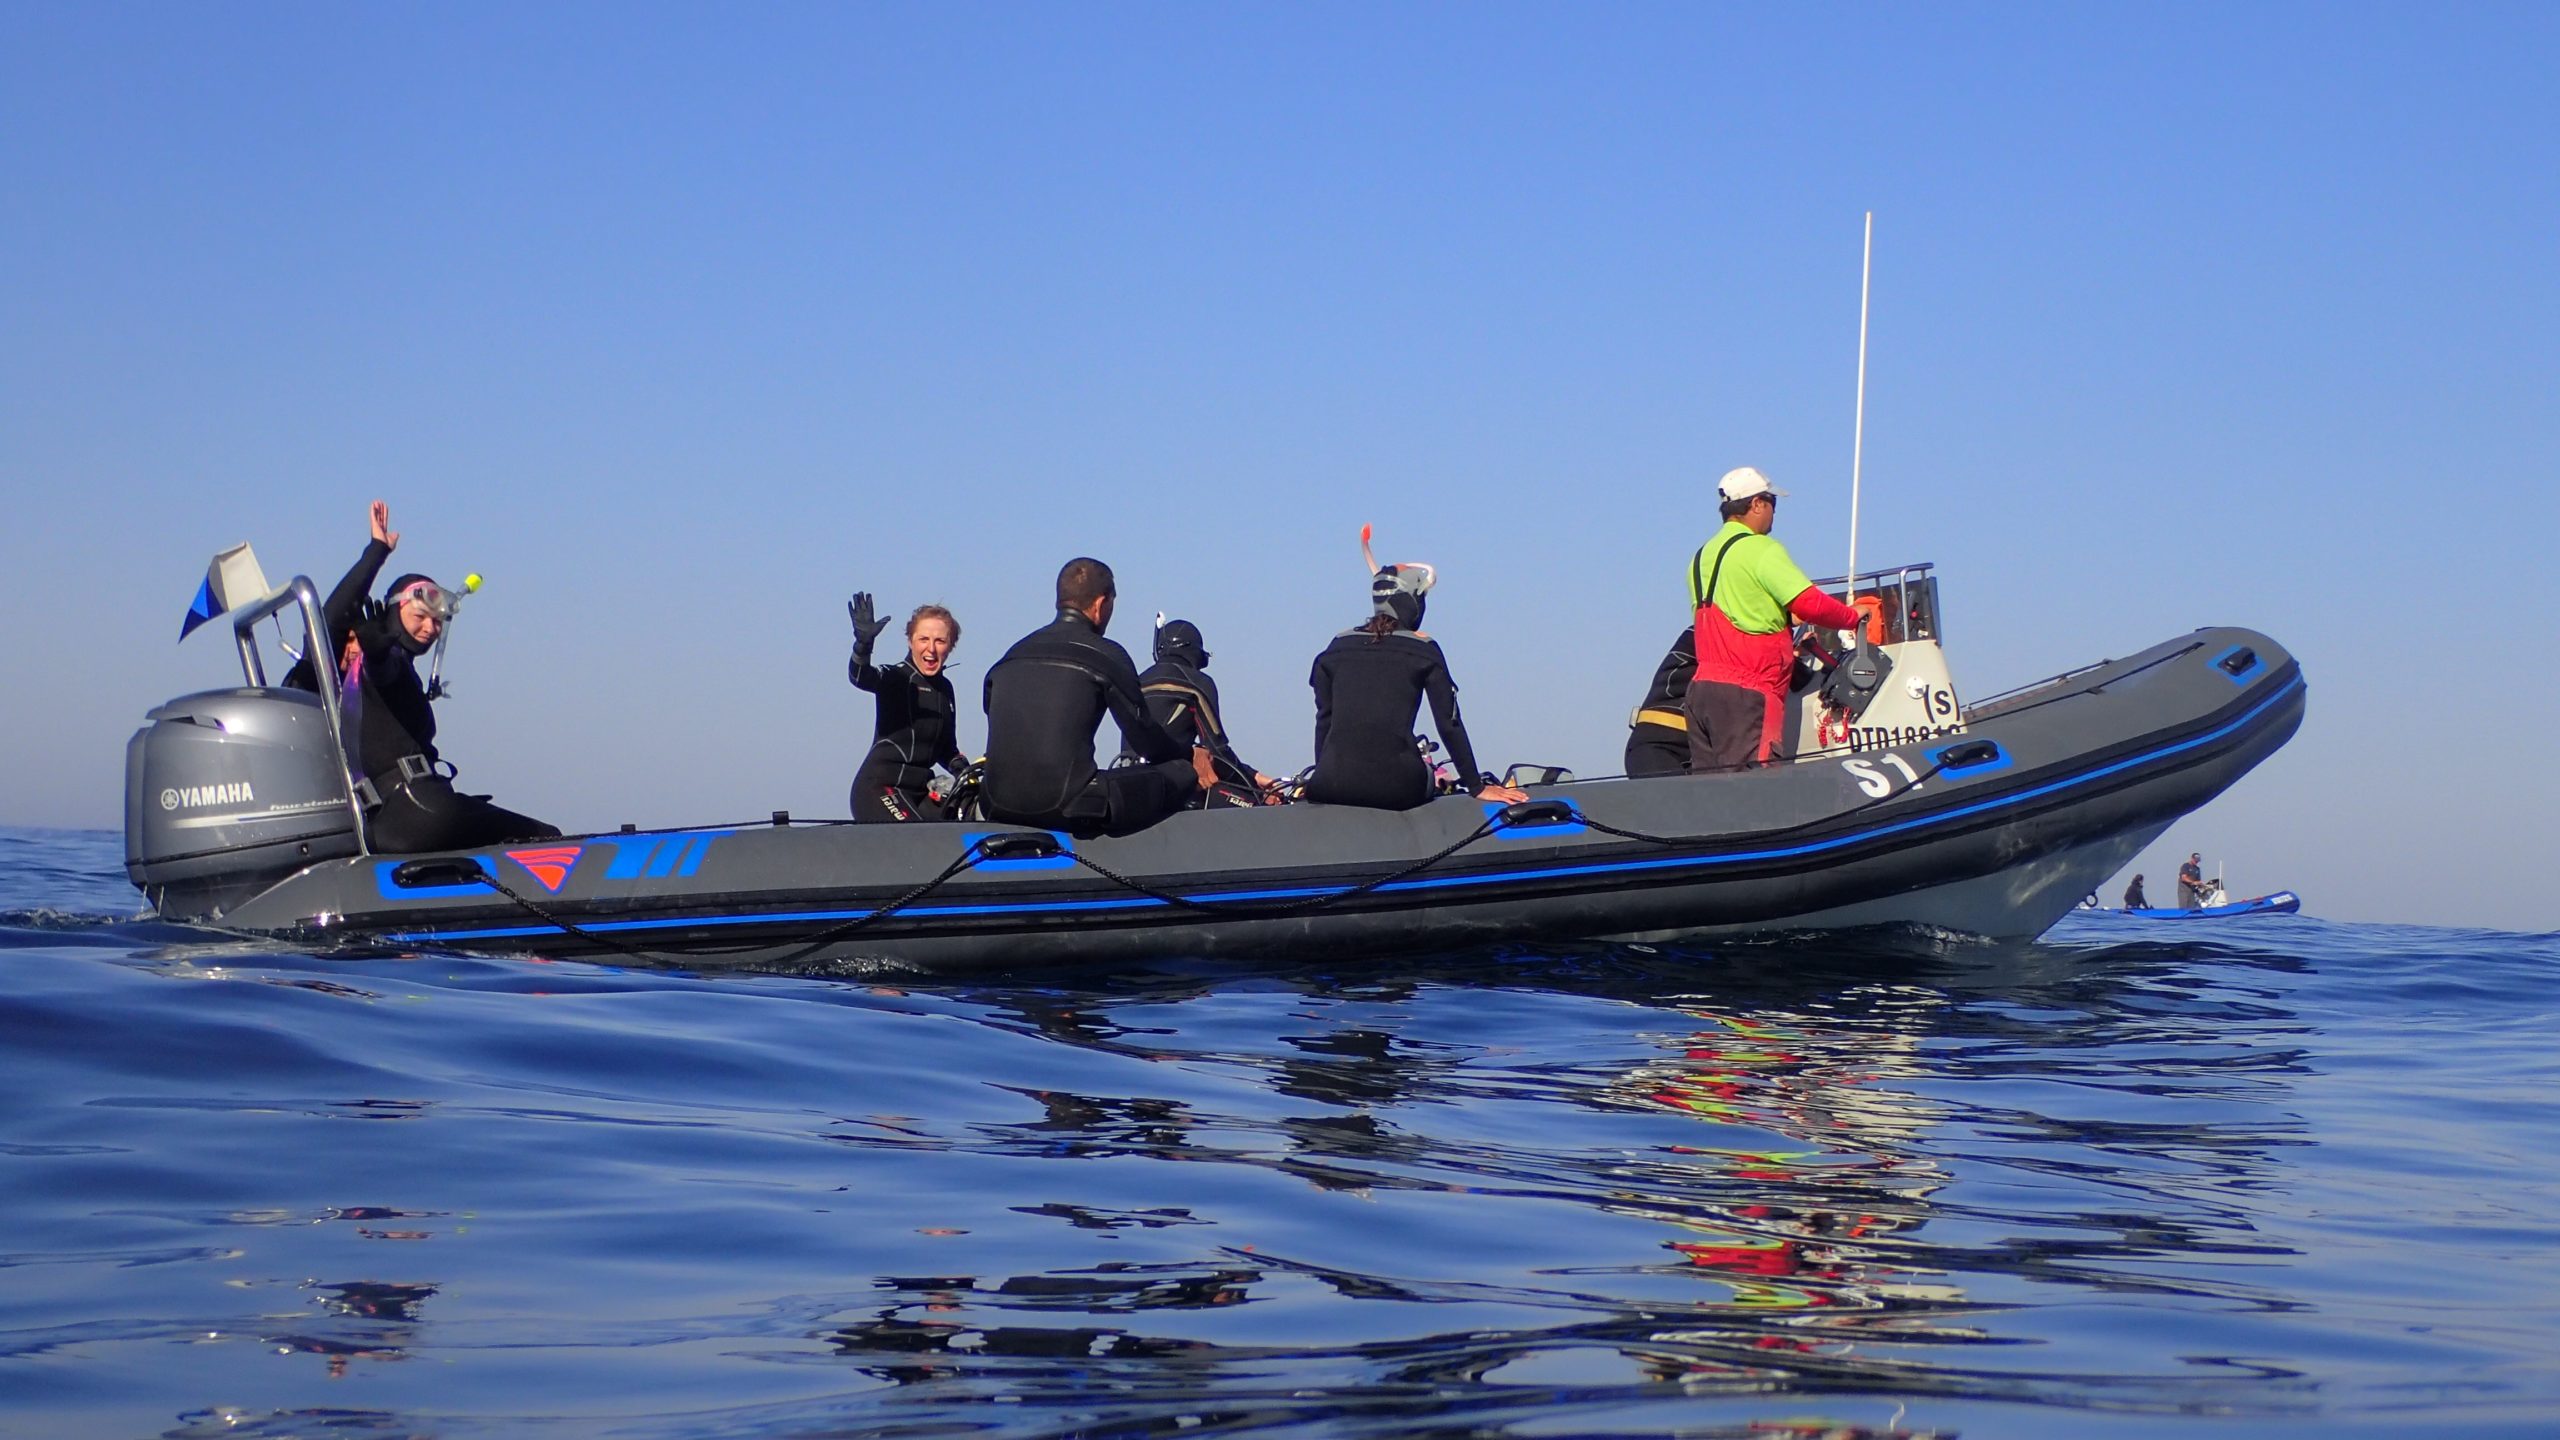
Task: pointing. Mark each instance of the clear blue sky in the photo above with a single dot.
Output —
(680, 323)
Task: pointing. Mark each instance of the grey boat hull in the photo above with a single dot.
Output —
(1996, 831)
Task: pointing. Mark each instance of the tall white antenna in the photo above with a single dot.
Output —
(1858, 440)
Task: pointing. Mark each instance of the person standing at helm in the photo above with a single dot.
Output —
(389, 718)
(1046, 698)
(917, 724)
(1743, 591)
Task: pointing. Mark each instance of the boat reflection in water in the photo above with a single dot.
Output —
(1773, 1194)
(1807, 1237)
(1333, 1201)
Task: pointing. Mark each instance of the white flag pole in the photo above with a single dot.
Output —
(1858, 437)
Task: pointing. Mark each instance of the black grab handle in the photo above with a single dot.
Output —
(1522, 813)
(437, 874)
(1020, 845)
(1968, 755)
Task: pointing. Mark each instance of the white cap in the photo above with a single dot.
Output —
(1743, 483)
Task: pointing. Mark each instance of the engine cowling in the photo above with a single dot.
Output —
(228, 791)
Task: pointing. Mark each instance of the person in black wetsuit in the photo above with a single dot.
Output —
(390, 722)
(1658, 734)
(917, 726)
(1184, 700)
(1046, 698)
(1370, 684)
(2134, 899)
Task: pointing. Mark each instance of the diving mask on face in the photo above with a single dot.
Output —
(439, 602)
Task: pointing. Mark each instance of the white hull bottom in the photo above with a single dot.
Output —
(2018, 903)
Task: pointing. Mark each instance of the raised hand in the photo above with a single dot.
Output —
(382, 530)
(866, 625)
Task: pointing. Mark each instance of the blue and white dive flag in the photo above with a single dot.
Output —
(232, 580)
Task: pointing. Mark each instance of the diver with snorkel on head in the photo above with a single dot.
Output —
(388, 715)
(1370, 684)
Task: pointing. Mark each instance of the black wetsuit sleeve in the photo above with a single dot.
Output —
(1322, 680)
(1186, 705)
(1679, 666)
(1444, 713)
(957, 760)
(1213, 729)
(1128, 705)
(347, 599)
(860, 670)
(1173, 709)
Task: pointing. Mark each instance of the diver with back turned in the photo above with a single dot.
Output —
(1184, 700)
(916, 726)
(389, 717)
(1046, 698)
(1658, 732)
(1370, 684)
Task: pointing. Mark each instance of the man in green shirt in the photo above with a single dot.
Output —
(1743, 592)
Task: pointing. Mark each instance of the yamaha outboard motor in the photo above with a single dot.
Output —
(229, 791)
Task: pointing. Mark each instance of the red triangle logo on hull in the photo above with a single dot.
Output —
(550, 864)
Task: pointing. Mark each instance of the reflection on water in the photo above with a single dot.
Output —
(1784, 1191)
(1795, 1203)
(1816, 1234)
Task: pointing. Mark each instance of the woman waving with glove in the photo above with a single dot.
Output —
(916, 727)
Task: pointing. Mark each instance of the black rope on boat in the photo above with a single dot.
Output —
(968, 858)
(1292, 907)
(1670, 841)
(2020, 692)
(980, 849)
(1493, 822)
(977, 850)
(534, 908)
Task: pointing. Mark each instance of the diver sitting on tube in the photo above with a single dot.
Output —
(389, 716)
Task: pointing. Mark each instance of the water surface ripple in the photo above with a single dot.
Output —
(2251, 1176)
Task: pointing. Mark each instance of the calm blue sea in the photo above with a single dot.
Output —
(2270, 1175)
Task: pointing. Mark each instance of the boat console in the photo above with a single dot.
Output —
(1890, 685)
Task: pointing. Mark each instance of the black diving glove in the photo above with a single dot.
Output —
(866, 626)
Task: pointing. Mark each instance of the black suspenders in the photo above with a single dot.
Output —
(1707, 596)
